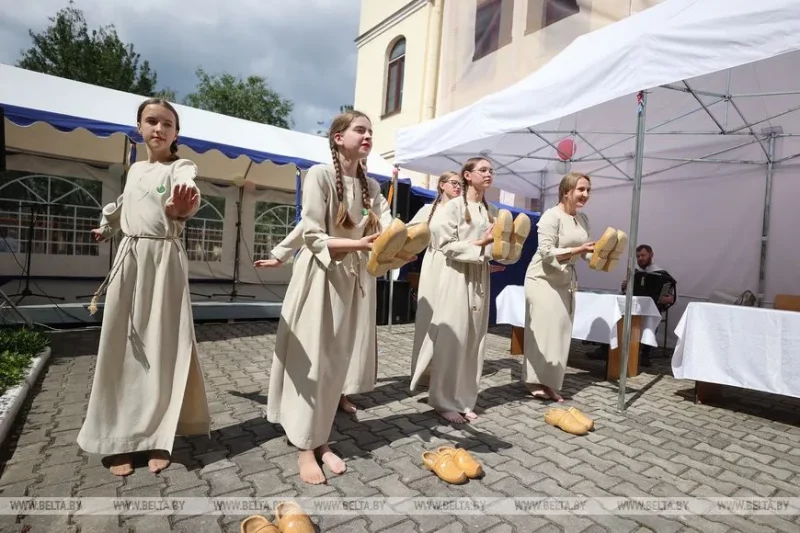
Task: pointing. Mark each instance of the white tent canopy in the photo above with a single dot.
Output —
(722, 135)
(79, 121)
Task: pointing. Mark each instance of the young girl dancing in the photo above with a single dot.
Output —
(148, 385)
(448, 187)
(455, 340)
(328, 315)
(355, 383)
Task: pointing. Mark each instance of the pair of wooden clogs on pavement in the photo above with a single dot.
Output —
(452, 465)
(570, 420)
(289, 518)
(608, 249)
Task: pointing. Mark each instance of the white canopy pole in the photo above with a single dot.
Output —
(393, 190)
(762, 270)
(633, 236)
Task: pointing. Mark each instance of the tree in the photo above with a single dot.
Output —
(324, 132)
(67, 49)
(249, 99)
(166, 94)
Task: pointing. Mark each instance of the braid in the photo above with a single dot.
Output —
(488, 213)
(433, 207)
(342, 216)
(373, 224)
(467, 216)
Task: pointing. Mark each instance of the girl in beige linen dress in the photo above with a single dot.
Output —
(148, 385)
(550, 286)
(454, 343)
(328, 315)
(448, 187)
(361, 374)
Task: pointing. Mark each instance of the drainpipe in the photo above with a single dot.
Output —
(434, 46)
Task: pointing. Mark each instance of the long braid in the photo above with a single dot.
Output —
(467, 216)
(433, 207)
(488, 213)
(342, 216)
(373, 223)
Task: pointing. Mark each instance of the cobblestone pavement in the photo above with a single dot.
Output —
(663, 445)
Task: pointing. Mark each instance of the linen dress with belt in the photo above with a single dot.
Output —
(148, 385)
(455, 341)
(550, 297)
(328, 315)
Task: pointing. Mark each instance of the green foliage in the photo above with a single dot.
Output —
(18, 347)
(69, 50)
(249, 99)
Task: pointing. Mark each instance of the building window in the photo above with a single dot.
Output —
(273, 223)
(203, 233)
(55, 215)
(394, 78)
(492, 26)
(543, 13)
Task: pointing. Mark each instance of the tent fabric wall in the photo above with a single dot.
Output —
(707, 143)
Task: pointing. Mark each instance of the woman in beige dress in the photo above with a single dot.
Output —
(361, 374)
(454, 343)
(148, 385)
(328, 315)
(448, 187)
(550, 285)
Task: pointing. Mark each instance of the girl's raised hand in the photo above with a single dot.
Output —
(182, 201)
(367, 240)
(268, 263)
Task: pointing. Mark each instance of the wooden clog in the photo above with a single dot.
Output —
(603, 248)
(619, 249)
(519, 234)
(418, 238)
(566, 421)
(503, 226)
(445, 467)
(465, 461)
(257, 524)
(582, 417)
(386, 246)
(292, 519)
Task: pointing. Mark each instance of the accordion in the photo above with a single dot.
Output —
(652, 284)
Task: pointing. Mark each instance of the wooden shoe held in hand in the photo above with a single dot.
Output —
(603, 249)
(519, 234)
(386, 246)
(418, 239)
(503, 227)
(619, 249)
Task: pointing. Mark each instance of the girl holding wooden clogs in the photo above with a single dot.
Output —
(550, 285)
(328, 317)
(469, 234)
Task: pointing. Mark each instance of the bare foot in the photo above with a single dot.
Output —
(121, 465)
(538, 392)
(452, 416)
(310, 472)
(159, 460)
(346, 405)
(471, 415)
(553, 394)
(333, 461)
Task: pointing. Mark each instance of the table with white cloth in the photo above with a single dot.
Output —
(598, 318)
(749, 347)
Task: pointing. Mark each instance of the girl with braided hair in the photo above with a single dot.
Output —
(454, 343)
(282, 253)
(448, 187)
(327, 331)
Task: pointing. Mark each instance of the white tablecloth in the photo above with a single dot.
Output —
(748, 347)
(596, 314)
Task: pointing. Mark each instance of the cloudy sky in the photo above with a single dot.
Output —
(305, 48)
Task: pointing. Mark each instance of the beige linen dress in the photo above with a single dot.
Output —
(550, 297)
(328, 315)
(148, 385)
(455, 340)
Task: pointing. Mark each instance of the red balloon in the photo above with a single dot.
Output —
(566, 149)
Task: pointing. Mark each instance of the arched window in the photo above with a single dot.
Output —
(394, 77)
